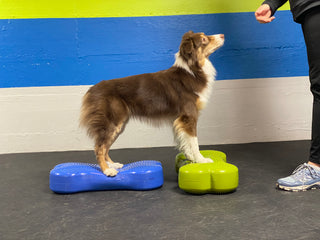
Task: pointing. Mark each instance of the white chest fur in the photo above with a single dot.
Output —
(210, 72)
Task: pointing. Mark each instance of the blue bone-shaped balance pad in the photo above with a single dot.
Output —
(81, 177)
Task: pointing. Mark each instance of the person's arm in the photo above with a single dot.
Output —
(265, 12)
(274, 4)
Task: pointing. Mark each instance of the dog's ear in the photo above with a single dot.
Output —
(186, 47)
(187, 35)
(187, 44)
(197, 42)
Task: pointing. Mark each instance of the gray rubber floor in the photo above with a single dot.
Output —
(29, 210)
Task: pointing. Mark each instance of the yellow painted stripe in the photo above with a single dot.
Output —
(11, 9)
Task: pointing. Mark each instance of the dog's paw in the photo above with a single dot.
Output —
(110, 172)
(115, 165)
(204, 160)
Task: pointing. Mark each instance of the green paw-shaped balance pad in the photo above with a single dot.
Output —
(199, 178)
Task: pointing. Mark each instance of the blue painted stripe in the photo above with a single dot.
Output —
(58, 52)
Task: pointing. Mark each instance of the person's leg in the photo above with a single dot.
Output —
(307, 176)
(311, 31)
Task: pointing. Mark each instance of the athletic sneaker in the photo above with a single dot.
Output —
(305, 177)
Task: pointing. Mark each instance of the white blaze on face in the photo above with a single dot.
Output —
(216, 41)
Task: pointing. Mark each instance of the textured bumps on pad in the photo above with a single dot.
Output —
(80, 177)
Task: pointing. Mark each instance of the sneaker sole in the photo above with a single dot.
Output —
(299, 188)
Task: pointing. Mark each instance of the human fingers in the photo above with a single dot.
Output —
(262, 19)
(263, 10)
(263, 14)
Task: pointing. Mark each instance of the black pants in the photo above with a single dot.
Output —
(311, 31)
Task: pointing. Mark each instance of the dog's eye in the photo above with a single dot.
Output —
(204, 40)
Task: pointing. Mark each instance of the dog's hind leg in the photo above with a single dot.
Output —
(117, 131)
(100, 151)
(103, 144)
(185, 129)
(117, 116)
(106, 125)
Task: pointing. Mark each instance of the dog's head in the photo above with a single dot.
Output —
(196, 47)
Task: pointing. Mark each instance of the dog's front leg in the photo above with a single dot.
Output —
(186, 137)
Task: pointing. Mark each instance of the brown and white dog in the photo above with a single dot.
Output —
(175, 95)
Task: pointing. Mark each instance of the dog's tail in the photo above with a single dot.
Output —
(91, 116)
(85, 112)
(102, 114)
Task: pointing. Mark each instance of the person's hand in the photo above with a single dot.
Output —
(263, 14)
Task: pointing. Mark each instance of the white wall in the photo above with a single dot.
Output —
(240, 111)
